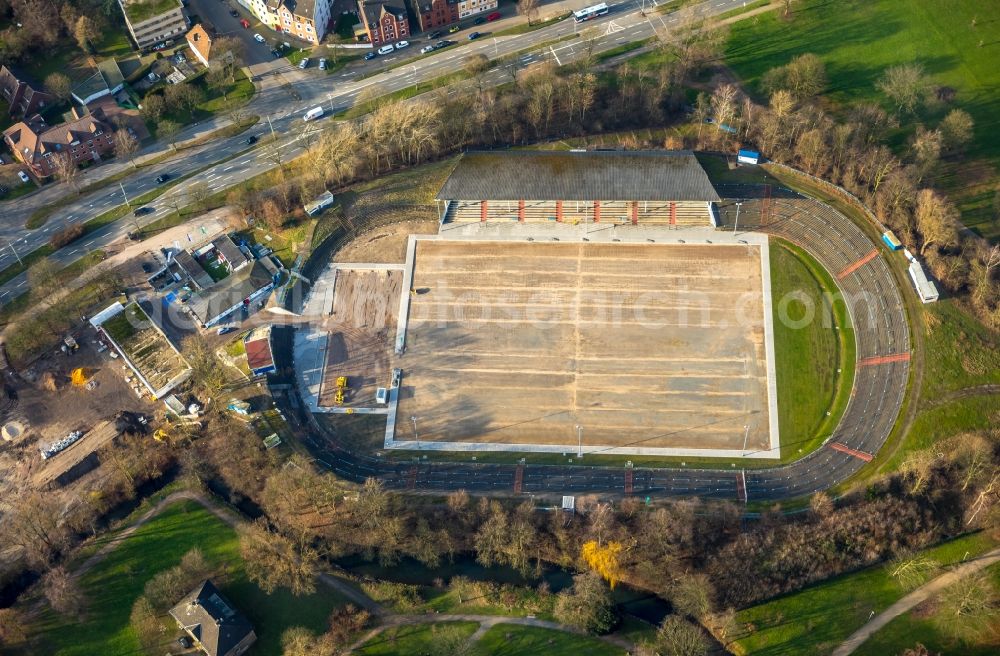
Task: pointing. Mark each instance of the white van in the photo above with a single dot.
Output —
(313, 114)
(385, 50)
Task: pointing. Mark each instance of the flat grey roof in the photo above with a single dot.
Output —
(591, 175)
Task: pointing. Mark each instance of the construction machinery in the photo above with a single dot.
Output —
(338, 396)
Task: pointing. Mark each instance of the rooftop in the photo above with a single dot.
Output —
(212, 620)
(212, 302)
(591, 175)
(138, 11)
(372, 9)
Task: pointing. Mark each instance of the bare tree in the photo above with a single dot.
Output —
(168, 130)
(63, 592)
(65, 169)
(937, 221)
(804, 76)
(86, 31)
(906, 85)
(126, 145)
(527, 8)
(967, 606)
(679, 637)
(273, 561)
(956, 130)
(35, 524)
(153, 106)
(58, 85)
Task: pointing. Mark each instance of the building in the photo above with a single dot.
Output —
(200, 43)
(435, 13)
(615, 187)
(305, 19)
(107, 80)
(215, 625)
(86, 138)
(747, 157)
(257, 344)
(24, 97)
(266, 11)
(235, 292)
(468, 8)
(324, 201)
(229, 254)
(154, 21)
(384, 22)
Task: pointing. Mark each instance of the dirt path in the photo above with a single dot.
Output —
(916, 597)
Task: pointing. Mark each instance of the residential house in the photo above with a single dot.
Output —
(24, 97)
(200, 43)
(384, 22)
(154, 21)
(468, 8)
(305, 19)
(257, 345)
(229, 254)
(215, 625)
(105, 81)
(265, 10)
(86, 137)
(435, 13)
(233, 293)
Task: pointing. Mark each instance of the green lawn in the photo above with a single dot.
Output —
(418, 639)
(816, 619)
(117, 581)
(859, 39)
(921, 625)
(514, 640)
(214, 100)
(814, 363)
(962, 352)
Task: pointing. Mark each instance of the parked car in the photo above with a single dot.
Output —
(142, 211)
(436, 34)
(304, 63)
(475, 35)
(225, 329)
(370, 55)
(259, 39)
(275, 53)
(479, 20)
(386, 49)
(402, 44)
(427, 49)
(251, 140)
(24, 176)
(245, 23)
(160, 46)
(453, 29)
(322, 64)
(444, 43)
(234, 13)
(160, 179)
(496, 15)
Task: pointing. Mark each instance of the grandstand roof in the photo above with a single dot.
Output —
(585, 175)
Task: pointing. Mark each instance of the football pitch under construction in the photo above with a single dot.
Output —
(640, 348)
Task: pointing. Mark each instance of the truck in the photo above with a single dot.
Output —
(313, 114)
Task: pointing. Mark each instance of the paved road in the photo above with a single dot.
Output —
(881, 376)
(910, 601)
(284, 94)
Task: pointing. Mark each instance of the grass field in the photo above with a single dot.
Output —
(117, 581)
(965, 353)
(807, 360)
(922, 624)
(418, 639)
(859, 39)
(513, 640)
(818, 618)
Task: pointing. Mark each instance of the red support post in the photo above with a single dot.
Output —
(597, 211)
(635, 212)
(482, 211)
(673, 213)
(559, 214)
(520, 211)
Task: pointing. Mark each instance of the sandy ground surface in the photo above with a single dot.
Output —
(385, 244)
(365, 306)
(641, 345)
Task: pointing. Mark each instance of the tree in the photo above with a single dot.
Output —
(43, 277)
(205, 365)
(273, 560)
(925, 148)
(144, 622)
(126, 145)
(182, 97)
(62, 592)
(300, 641)
(168, 130)
(12, 623)
(587, 605)
(911, 572)
(476, 64)
(505, 540)
(228, 54)
(905, 85)
(804, 77)
(199, 192)
(677, 637)
(527, 8)
(691, 595)
(604, 559)
(937, 220)
(153, 106)
(35, 523)
(58, 85)
(956, 130)
(86, 31)
(967, 606)
(65, 168)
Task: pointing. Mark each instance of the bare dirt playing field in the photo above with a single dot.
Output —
(365, 307)
(643, 346)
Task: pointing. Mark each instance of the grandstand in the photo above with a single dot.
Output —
(668, 188)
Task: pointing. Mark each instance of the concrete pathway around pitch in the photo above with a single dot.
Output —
(916, 597)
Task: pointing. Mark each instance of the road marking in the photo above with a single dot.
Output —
(857, 265)
(843, 448)
(884, 359)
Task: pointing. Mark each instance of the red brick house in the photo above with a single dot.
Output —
(87, 137)
(436, 13)
(384, 22)
(24, 97)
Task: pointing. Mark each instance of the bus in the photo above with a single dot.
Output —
(587, 13)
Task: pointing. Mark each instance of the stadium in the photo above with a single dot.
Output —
(594, 303)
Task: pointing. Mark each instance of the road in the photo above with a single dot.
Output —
(284, 94)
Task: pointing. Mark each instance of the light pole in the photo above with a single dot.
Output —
(736, 225)
(579, 441)
(129, 205)
(415, 82)
(746, 435)
(496, 49)
(329, 97)
(271, 126)
(416, 437)
(14, 251)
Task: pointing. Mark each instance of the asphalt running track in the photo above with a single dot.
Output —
(883, 343)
